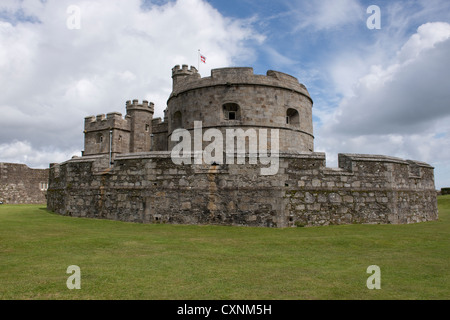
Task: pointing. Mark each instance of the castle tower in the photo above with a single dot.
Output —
(179, 75)
(236, 98)
(106, 134)
(140, 117)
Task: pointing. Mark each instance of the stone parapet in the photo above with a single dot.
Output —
(239, 76)
(150, 188)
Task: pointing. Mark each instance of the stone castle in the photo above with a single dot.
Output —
(127, 170)
(230, 98)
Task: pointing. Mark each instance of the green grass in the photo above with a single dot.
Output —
(140, 261)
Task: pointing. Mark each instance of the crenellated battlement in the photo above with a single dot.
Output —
(112, 120)
(183, 74)
(114, 116)
(183, 79)
(134, 104)
(102, 117)
(184, 70)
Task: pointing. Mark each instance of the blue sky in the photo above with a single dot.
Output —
(382, 91)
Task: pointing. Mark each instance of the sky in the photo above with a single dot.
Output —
(379, 79)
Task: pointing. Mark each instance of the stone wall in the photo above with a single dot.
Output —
(150, 188)
(364, 189)
(20, 184)
(159, 131)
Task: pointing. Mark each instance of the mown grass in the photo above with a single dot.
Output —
(140, 261)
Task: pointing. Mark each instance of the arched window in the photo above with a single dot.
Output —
(177, 120)
(292, 117)
(231, 111)
(99, 138)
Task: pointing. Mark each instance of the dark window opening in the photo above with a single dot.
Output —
(231, 111)
(292, 117)
(177, 120)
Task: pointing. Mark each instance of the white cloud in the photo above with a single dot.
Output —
(401, 108)
(23, 152)
(406, 95)
(427, 36)
(52, 77)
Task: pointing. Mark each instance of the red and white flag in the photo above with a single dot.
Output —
(202, 58)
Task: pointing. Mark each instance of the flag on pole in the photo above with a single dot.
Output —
(201, 58)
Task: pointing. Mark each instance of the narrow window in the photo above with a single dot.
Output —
(147, 128)
(177, 120)
(231, 111)
(292, 117)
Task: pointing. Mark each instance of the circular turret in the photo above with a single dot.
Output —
(140, 116)
(237, 98)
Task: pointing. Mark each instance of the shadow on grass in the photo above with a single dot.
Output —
(46, 210)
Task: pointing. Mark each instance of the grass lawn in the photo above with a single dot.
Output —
(154, 261)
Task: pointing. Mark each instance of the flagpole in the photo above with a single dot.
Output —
(198, 60)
